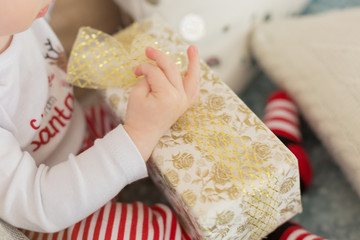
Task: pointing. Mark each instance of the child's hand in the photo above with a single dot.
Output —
(158, 100)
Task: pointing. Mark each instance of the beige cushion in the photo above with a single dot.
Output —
(316, 59)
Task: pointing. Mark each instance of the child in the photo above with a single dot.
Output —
(45, 185)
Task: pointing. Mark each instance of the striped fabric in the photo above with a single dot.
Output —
(298, 233)
(281, 116)
(291, 231)
(122, 221)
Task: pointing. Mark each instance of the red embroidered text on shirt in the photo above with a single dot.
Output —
(35, 123)
(57, 121)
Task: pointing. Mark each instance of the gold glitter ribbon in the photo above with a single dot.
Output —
(219, 130)
(100, 61)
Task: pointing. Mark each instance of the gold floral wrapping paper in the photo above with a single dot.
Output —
(224, 172)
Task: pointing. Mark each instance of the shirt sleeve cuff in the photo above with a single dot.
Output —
(132, 162)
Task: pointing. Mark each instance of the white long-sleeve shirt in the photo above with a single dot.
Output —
(44, 186)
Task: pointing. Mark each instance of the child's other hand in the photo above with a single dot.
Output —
(160, 98)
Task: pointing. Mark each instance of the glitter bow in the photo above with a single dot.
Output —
(101, 61)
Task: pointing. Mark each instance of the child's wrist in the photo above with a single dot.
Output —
(145, 141)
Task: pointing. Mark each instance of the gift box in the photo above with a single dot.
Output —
(226, 175)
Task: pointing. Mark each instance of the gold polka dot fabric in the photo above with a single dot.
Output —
(224, 172)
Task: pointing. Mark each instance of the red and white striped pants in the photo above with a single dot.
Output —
(122, 221)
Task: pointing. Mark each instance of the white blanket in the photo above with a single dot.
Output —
(316, 59)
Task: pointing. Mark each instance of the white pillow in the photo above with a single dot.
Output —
(218, 28)
(316, 59)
